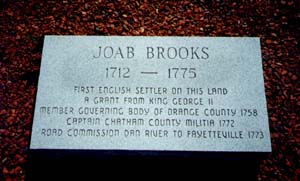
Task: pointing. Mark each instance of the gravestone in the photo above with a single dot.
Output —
(181, 94)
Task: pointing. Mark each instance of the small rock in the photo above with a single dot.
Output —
(268, 41)
(5, 171)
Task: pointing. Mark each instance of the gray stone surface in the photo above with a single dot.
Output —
(151, 93)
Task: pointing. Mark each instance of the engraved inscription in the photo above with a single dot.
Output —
(151, 93)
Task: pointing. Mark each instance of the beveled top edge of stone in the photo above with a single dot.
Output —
(155, 36)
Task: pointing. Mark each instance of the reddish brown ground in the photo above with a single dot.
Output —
(23, 26)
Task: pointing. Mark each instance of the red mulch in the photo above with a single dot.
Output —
(24, 24)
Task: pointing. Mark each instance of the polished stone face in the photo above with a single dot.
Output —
(151, 93)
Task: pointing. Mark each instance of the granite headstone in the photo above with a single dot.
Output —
(195, 94)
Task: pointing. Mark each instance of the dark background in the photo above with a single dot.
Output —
(24, 24)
